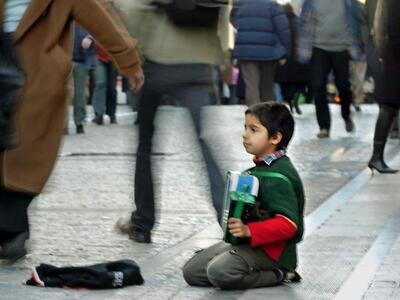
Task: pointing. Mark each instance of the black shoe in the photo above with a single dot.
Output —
(113, 119)
(297, 107)
(80, 129)
(381, 166)
(135, 234)
(394, 134)
(140, 236)
(14, 248)
(98, 119)
(323, 133)
(349, 125)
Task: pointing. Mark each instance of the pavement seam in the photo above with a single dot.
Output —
(359, 280)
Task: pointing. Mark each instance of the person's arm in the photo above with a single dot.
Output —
(281, 24)
(279, 228)
(283, 206)
(99, 19)
(365, 26)
(275, 229)
(393, 26)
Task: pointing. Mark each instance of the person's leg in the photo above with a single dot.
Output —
(386, 116)
(143, 217)
(195, 95)
(243, 267)
(251, 76)
(394, 130)
(99, 94)
(79, 101)
(14, 224)
(111, 101)
(340, 64)
(195, 269)
(297, 91)
(320, 67)
(92, 84)
(357, 77)
(267, 80)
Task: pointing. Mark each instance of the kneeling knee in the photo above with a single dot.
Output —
(221, 278)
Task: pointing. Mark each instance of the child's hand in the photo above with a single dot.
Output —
(238, 229)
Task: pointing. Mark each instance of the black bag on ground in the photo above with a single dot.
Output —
(10, 86)
(110, 275)
(191, 13)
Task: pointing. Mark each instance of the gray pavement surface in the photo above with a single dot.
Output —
(352, 244)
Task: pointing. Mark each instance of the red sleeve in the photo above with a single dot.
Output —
(271, 230)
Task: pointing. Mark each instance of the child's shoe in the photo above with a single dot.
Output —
(291, 276)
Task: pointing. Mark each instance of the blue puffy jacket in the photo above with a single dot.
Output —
(263, 30)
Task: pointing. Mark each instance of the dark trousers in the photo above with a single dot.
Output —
(111, 102)
(13, 213)
(323, 62)
(190, 85)
(105, 94)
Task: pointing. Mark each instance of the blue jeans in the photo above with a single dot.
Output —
(190, 85)
(105, 96)
(79, 102)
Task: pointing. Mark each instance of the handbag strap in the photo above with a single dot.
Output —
(271, 175)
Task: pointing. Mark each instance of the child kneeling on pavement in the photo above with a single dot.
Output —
(270, 255)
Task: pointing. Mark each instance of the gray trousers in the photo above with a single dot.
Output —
(231, 267)
(79, 101)
(259, 78)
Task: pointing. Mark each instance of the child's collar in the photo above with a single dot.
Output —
(270, 158)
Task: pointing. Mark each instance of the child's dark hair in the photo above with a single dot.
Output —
(276, 118)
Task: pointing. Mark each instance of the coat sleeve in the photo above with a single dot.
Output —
(393, 26)
(102, 22)
(281, 24)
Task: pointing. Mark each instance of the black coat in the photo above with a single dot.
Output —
(292, 71)
(10, 85)
(388, 85)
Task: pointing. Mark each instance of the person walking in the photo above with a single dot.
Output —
(44, 35)
(292, 76)
(262, 42)
(84, 59)
(329, 36)
(180, 54)
(386, 36)
(105, 94)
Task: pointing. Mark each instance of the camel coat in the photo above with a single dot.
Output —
(44, 39)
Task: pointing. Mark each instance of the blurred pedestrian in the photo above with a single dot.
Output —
(329, 36)
(84, 58)
(262, 41)
(386, 35)
(181, 45)
(372, 56)
(292, 76)
(358, 70)
(44, 36)
(104, 99)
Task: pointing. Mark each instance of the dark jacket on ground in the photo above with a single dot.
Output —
(263, 31)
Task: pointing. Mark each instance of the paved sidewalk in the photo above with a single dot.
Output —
(353, 223)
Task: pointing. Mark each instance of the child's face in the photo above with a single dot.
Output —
(256, 138)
